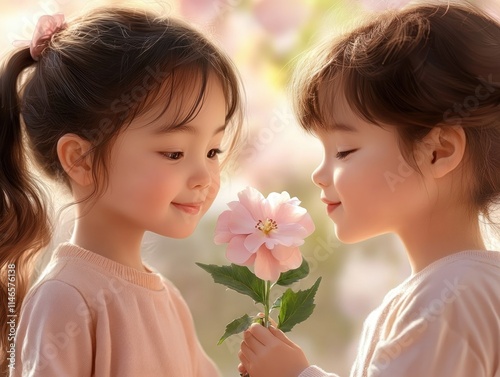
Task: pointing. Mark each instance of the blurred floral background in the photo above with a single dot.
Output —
(264, 38)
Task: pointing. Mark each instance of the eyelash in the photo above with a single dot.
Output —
(179, 155)
(169, 155)
(216, 151)
(344, 154)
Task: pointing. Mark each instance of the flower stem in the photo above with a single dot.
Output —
(267, 305)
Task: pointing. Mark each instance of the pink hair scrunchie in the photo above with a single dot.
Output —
(45, 28)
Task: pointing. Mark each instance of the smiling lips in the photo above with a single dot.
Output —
(190, 208)
(331, 206)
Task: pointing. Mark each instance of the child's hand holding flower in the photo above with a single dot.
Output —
(265, 233)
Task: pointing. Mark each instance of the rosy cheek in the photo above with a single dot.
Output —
(214, 186)
(344, 181)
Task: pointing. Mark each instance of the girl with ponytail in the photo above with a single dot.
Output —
(130, 111)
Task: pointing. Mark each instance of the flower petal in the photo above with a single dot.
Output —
(271, 242)
(287, 213)
(308, 224)
(289, 257)
(288, 235)
(282, 253)
(236, 251)
(241, 220)
(294, 201)
(277, 199)
(252, 200)
(255, 240)
(222, 232)
(250, 260)
(266, 266)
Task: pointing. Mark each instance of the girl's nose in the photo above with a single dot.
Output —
(321, 176)
(202, 176)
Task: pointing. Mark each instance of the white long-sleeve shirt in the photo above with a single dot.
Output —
(443, 321)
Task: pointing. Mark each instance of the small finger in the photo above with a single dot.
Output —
(242, 369)
(252, 343)
(281, 336)
(246, 352)
(260, 333)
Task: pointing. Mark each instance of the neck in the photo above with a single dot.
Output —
(110, 237)
(446, 232)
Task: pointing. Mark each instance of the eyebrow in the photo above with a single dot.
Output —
(186, 128)
(342, 127)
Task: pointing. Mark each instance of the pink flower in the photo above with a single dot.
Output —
(264, 232)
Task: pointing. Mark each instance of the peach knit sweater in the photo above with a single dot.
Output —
(441, 322)
(90, 316)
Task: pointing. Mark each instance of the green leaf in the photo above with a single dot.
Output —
(235, 327)
(238, 278)
(296, 306)
(276, 304)
(290, 277)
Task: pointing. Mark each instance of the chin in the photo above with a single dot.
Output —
(176, 233)
(350, 237)
(355, 236)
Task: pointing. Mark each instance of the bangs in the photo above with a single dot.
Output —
(323, 81)
(182, 95)
(377, 70)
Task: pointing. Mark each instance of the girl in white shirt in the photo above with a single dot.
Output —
(407, 109)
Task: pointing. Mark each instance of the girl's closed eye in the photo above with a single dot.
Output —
(342, 155)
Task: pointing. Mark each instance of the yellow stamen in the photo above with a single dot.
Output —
(267, 226)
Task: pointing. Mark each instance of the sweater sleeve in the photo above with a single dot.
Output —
(53, 337)
(447, 327)
(202, 365)
(314, 371)
(426, 349)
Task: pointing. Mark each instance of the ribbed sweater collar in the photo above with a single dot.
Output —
(68, 251)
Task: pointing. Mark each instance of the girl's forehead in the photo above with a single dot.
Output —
(173, 105)
(341, 119)
(334, 107)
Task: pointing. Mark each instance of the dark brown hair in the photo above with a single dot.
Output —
(93, 78)
(416, 68)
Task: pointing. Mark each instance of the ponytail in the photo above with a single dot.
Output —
(24, 224)
(71, 91)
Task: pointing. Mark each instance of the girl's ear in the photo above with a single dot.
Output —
(443, 149)
(73, 153)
